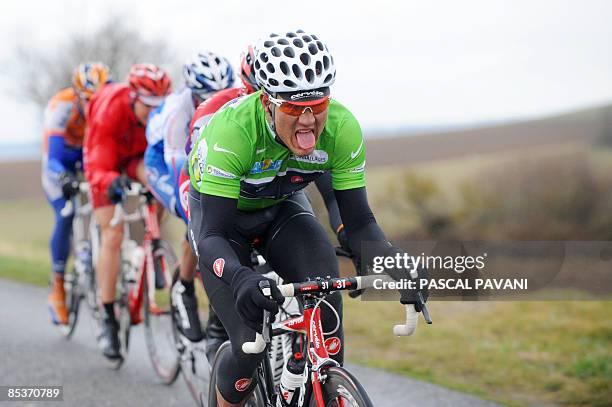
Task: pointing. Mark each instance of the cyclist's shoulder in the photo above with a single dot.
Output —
(213, 104)
(238, 117)
(60, 110)
(111, 102)
(64, 96)
(339, 116)
(178, 101)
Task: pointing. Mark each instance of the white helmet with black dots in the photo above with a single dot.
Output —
(292, 62)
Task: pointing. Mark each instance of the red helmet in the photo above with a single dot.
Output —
(150, 83)
(247, 74)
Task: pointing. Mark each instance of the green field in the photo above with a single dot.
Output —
(515, 353)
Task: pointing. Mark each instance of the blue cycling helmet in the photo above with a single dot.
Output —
(208, 73)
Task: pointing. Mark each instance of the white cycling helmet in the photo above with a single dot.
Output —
(296, 61)
(208, 72)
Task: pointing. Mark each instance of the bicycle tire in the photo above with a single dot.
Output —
(339, 383)
(166, 366)
(255, 400)
(73, 302)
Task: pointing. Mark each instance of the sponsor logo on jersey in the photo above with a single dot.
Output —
(309, 94)
(218, 172)
(218, 266)
(219, 149)
(360, 168)
(184, 194)
(266, 165)
(242, 384)
(296, 179)
(316, 157)
(198, 161)
(356, 153)
(333, 345)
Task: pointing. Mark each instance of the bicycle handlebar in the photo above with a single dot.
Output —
(68, 208)
(327, 286)
(120, 215)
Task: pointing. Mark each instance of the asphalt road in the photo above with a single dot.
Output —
(32, 352)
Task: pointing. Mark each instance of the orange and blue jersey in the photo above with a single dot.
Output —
(64, 130)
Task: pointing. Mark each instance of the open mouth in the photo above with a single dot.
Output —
(305, 139)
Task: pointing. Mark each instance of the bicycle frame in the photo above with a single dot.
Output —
(309, 324)
(147, 212)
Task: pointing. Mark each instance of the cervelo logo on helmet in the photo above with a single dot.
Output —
(309, 94)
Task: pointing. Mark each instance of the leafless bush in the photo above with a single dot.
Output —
(40, 72)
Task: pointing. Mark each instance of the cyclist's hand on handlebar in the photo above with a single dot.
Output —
(250, 301)
(116, 190)
(69, 183)
(418, 296)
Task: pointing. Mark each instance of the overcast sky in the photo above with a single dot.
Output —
(400, 63)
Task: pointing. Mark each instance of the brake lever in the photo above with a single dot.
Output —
(424, 309)
(264, 286)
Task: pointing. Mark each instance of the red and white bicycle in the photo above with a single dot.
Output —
(309, 376)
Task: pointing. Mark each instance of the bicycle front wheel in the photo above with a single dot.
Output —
(340, 388)
(158, 327)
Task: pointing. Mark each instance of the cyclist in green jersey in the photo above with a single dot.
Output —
(248, 169)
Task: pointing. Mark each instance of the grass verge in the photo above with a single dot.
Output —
(515, 353)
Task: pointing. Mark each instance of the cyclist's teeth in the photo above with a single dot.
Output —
(305, 139)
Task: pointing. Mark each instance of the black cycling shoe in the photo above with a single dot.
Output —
(215, 335)
(186, 310)
(109, 340)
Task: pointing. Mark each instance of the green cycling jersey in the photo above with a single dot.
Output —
(236, 156)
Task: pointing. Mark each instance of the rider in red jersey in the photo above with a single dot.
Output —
(114, 148)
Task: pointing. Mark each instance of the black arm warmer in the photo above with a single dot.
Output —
(361, 226)
(359, 222)
(324, 185)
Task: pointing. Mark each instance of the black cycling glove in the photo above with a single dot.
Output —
(250, 301)
(116, 190)
(69, 183)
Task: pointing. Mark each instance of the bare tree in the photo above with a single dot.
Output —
(40, 73)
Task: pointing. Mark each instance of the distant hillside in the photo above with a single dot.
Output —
(22, 179)
(583, 126)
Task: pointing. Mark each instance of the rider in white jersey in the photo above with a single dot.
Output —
(167, 132)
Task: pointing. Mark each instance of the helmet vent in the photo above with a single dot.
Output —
(282, 41)
(270, 68)
(268, 44)
(289, 83)
(291, 35)
(284, 68)
(306, 38)
(298, 43)
(289, 52)
(312, 48)
(310, 76)
(276, 52)
(296, 71)
(325, 62)
(264, 57)
(273, 82)
(320, 46)
(305, 58)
